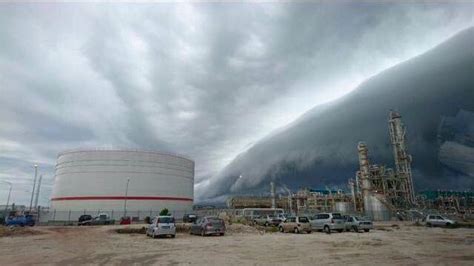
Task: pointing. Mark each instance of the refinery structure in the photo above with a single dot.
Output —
(377, 191)
(384, 190)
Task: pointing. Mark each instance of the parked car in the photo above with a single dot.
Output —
(282, 217)
(85, 219)
(20, 220)
(296, 224)
(267, 220)
(102, 219)
(162, 226)
(208, 226)
(125, 220)
(189, 218)
(438, 220)
(328, 222)
(356, 224)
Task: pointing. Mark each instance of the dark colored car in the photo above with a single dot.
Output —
(189, 218)
(85, 219)
(208, 226)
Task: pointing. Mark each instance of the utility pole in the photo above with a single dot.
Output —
(9, 194)
(34, 186)
(38, 191)
(125, 200)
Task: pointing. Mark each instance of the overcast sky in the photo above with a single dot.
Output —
(203, 80)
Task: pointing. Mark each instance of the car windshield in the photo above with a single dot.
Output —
(304, 220)
(214, 220)
(336, 216)
(165, 220)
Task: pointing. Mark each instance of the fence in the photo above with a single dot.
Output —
(71, 217)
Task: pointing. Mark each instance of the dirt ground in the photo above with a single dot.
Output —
(242, 245)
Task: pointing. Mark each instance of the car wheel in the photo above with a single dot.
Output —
(309, 231)
(296, 231)
(428, 224)
(173, 236)
(366, 230)
(355, 228)
(340, 230)
(281, 229)
(222, 234)
(327, 229)
(448, 224)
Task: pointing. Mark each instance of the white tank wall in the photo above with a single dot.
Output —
(87, 181)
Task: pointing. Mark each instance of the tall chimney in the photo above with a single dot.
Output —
(272, 194)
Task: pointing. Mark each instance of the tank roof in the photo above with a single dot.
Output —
(78, 150)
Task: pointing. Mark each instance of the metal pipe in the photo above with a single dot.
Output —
(290, 201)
(351, 184)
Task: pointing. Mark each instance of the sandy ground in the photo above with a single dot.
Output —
(408, 245)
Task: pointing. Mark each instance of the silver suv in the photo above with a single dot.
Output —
(438, 220)
(162, 226)
(328, 222)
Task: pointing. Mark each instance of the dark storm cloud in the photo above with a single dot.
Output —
(319, 149)
(207, 80)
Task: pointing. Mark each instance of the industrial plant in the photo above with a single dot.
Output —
(138, 184)
(378, 191)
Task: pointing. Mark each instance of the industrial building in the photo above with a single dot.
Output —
(120, 183)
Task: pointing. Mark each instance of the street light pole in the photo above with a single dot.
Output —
(9, 194)
(34, 185)
(125, 201)
(38, 191)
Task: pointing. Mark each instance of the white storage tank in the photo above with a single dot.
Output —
(95, 181)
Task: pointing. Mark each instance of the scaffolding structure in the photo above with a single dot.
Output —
(402, 158)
